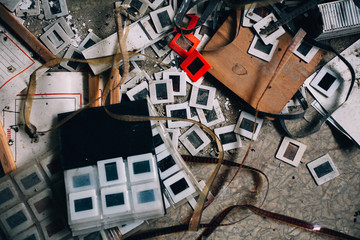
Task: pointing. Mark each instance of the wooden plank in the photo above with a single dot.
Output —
(115, 94)
(6, 158)
(248, 76)
(24, 34)
(93, 90)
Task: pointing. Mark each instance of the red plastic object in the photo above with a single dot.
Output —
(192, 23)
(195, 66)
(190, 41)
(193, 20)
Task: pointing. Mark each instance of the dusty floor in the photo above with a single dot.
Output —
(292, 191)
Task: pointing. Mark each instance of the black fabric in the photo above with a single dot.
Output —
(93, 135)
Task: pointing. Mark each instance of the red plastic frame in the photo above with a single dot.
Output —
(192, 23)
(185, 64)
(181, 51)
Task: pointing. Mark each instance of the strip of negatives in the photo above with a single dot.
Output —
(323, 169)
(163, 18)
(194, 140)
(228, 138)
(306, 51)
(245, 125)
(326, 82)
(271, 38)
(180, 110)
(178, 82)
(291, 151)
(202, 97)
(161, 91)
(261, 50)
(211, 117)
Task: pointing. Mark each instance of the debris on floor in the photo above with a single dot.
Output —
(200, 81)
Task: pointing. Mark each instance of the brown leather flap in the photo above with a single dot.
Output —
(248, 76)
